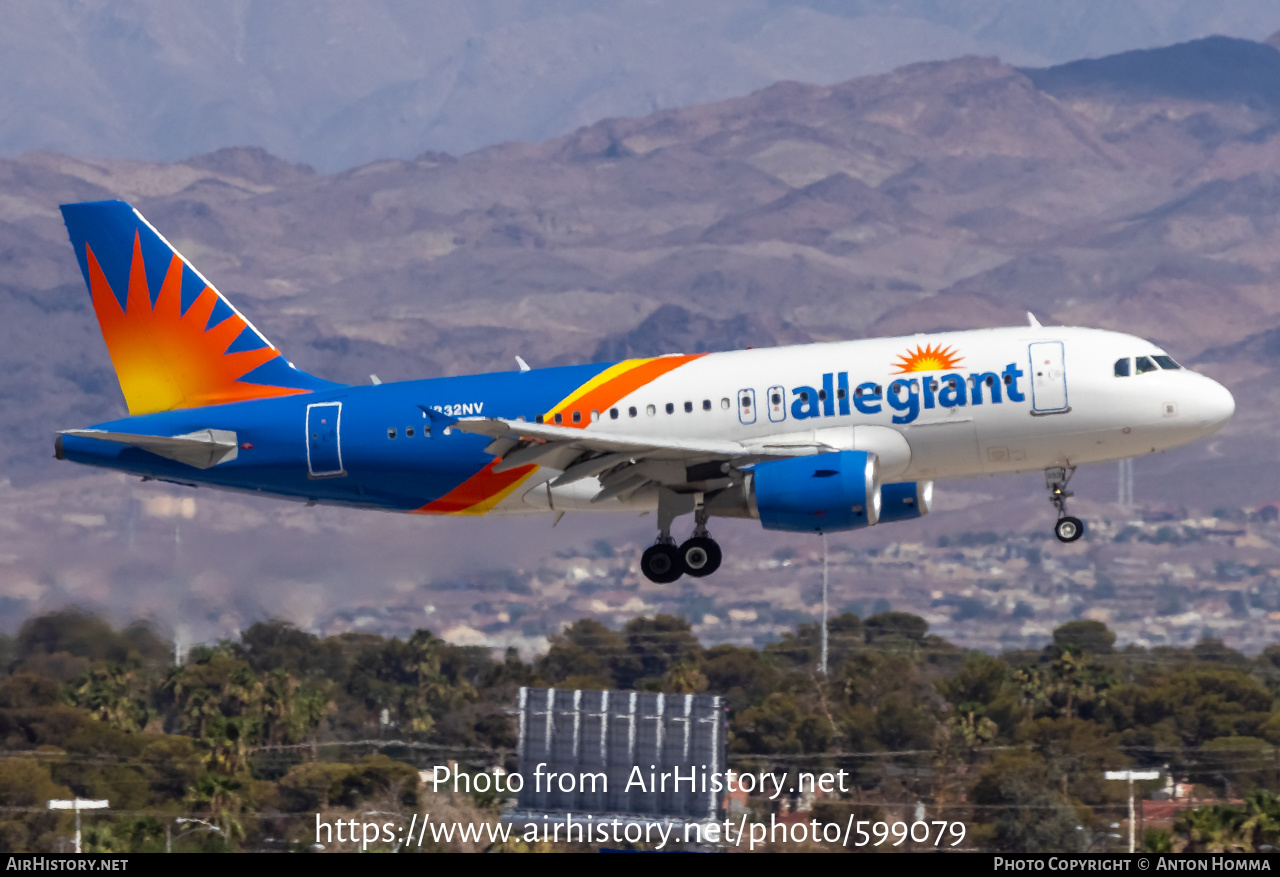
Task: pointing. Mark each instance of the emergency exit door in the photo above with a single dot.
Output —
(1048, 378)
(324, 440)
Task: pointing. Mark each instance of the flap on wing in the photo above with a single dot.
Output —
(598, 439)
(202, 449)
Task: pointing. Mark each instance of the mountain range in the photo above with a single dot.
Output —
(1138, 192)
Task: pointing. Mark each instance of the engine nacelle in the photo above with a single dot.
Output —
(905, 500)
(825, 492)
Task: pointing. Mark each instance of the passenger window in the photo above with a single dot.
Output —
(613, 413)
(688, 407)
(822, 395)
(631, 412)
(1166, 362)
(595, 415)
(746, 401)
(391, 433)
(804, 395)
(671, 409)
(1122, 367)
(841, 393)
(650, 410)
(1144, 365)
(775, 399)
(1008, 379)
(577, 417)
(559, 417)
(706, 404)
(408, 433)
(724, 403)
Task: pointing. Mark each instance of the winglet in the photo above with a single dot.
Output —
(1032, 321)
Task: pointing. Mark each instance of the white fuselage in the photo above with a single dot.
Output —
(932, 407)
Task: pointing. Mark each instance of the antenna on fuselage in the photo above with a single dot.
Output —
(1032, 321)
(524, 366)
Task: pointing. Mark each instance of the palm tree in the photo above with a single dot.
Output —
(218, 795)
(1261, 818)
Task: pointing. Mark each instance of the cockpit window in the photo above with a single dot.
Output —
(1166, 362)
(1122, 367)
(1144, 365)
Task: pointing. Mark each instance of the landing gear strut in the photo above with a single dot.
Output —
(1067, 529)
(698, 556)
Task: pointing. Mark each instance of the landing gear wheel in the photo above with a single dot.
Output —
(661, 563)
(1068, 529)
(700, 556)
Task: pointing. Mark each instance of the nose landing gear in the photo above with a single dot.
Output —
(1068, 528)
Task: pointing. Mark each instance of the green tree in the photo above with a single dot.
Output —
(1024, 813)
(115, 695)
(1084, 637)
(657, 644)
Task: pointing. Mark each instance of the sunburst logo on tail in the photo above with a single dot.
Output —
(166, 358)
(928, 359)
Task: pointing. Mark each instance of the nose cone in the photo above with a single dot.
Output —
(1216, 405)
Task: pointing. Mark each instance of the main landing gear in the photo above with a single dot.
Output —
(1068, 529)
(699, 555)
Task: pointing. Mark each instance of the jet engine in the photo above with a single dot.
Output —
(905, 500)
(824, 492)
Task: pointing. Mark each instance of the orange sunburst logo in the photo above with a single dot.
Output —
(165, 359)
(928, 359)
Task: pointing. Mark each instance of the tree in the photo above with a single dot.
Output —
(26, 782)
(115, 695)
(1215, 829)
(779, 726)
(587, 648)
(657, 644)
(1084, 637)
(1026, 814)
(218, 796)
(896, 628)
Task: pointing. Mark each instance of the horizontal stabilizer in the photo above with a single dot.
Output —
(203, 449)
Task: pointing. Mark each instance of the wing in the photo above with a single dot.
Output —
(623, 463)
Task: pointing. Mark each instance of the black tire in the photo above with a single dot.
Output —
(1068, 529)
(700, 556)
(661, 564)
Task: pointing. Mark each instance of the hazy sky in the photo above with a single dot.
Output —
(344, 82)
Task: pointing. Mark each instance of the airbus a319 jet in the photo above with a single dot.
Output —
(810, 438)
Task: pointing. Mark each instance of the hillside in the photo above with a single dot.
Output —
(942, 195)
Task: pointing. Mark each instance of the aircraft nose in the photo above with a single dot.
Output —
(1216, 404)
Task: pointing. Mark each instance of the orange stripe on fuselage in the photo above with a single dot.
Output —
(479, 493)
(628, 377)
(485, 489)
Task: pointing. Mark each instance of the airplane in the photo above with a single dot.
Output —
(822, 437)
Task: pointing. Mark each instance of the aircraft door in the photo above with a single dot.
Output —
(324, 448)
(777, 404)
(747, 407)
(1048, 378)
